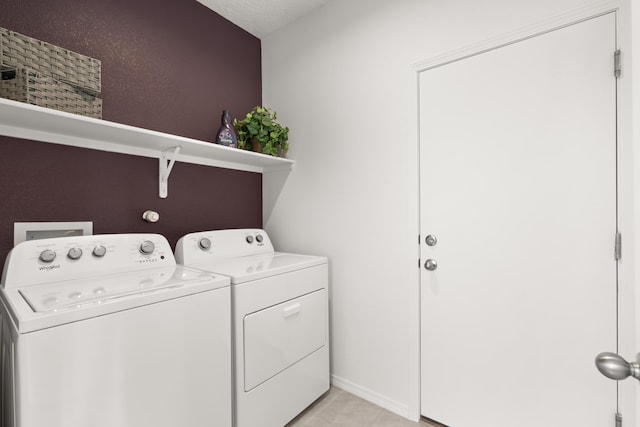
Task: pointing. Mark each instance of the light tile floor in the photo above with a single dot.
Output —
(339, 408)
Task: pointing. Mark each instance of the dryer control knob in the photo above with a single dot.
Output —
(249, 239)
(99, 251)
(74, 253)
(147, 247)
(259, 238)
(204, 243)
(47, 255)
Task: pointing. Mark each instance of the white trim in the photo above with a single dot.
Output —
(371, 396)
(413, 221)
(573, 16)
(628, 185)
(554, 23)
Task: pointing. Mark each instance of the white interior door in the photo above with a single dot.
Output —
(518, 185)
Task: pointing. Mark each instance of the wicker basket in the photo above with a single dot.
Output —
(17, 50)
(20, 84)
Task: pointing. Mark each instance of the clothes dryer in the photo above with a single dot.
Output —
(280, 321)
(107, 331)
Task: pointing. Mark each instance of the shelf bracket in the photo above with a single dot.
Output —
(169, 155)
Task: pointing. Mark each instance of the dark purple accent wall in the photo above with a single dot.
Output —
(169, 66)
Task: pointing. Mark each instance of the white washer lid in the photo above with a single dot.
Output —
(254, 267)
(52, 304)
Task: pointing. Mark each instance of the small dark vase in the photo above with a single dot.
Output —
(227, 134)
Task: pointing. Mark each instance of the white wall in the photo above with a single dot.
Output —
(340, 79)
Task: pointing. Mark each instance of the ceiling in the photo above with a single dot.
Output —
(261, 17)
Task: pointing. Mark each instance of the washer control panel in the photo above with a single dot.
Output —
(201, 247)
(66, 258)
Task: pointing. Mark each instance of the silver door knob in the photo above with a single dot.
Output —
(430, 264)
(431, 240)
(615, 367)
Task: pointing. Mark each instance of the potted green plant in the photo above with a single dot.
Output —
(260, 132)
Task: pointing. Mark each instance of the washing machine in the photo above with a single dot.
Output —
(280, 321)
(107, 331)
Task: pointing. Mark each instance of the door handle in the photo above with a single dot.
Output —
(430, 264)
(615, 367)
(291, 310)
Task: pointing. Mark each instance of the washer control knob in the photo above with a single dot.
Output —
(249, 239)
(204, 243)
(47, 255)
(147, 247)
(99, 251)
(74, 253)
(259, 238)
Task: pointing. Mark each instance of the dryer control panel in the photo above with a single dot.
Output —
(64, 258)
(196, 248)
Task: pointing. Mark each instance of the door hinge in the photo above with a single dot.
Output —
(618, 419)
(618, 247)
(617, 65)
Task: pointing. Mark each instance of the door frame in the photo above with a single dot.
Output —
(629, 326)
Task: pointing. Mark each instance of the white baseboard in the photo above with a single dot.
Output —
(371, 396)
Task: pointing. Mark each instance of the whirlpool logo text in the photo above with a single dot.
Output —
(49, 267)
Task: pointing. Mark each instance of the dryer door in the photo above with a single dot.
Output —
(279, 336)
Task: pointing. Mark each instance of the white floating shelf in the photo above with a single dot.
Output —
(28, 121)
